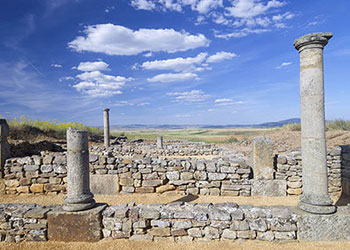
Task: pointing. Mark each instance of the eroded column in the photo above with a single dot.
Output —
(160, 142)
(4, 146)
(315, 197)
(106, 127)
(78, 196)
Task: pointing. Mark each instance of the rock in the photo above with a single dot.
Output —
(158, 231)
(229, 234)
(152, 183)
(165, 188)
(195, 232)
(269, 188)
(37, 188)
(148, 213)
(258, 225)
(182, 224)
(262, 158)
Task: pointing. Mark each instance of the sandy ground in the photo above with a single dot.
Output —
(155, 198)
(143, 245)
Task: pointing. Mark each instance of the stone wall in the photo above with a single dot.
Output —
(289, 168)
(23, 222)
(170, 148)
(144, 174)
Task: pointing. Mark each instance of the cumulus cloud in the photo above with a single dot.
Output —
(93, 66)
(66, 78)
(97, 84)
(118, 40)
(177, 64)
(188, 96)
(171, 77)
(223, 100)
(284, 64)
(220, 56)
(143, 4)
(251, 8)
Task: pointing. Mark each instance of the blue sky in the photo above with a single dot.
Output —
(166, 61)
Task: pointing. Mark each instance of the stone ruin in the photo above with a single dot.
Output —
(314, 173)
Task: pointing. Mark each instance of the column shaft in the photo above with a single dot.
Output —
(315, 197)
(106, 127)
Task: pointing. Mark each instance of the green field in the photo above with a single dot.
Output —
(196, 135)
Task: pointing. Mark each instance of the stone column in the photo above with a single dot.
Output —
(160, 142)
(315, 197)
(106, 127)
(78, 196)
(4, 146)
(262, 158)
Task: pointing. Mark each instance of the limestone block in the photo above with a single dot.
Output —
(76, 226)
(262, 158)
(335, 227)
(269, 188)
(104, 184)
(37, 188)
(165, 188)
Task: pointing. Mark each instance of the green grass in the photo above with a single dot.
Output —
(23, 126)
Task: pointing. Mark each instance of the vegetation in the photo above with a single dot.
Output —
(24, 128)
(338, 124)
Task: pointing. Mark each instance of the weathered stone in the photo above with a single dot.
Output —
(46, 168)
(126, 181)
(229, 234)
(216, 214)
(106, 137)
(267, 236)
(216, 176)
(186, 176)
(31, 167)
(182, 224)
(240, 225)
(104, 184)
(148, 213)
(174, 175)
(159, 231)
(37, 188)
(178, 232)
(165, 188)
(143, 237)
(152, 183)
(144, 190)
(262, 158)
(211, 233)
(67, 226)
(294, 191)
(269, 188)
(160, 223)
(23, 189)
(258, 225)
(195, 232)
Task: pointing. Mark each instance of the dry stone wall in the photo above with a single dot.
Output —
(232, 176)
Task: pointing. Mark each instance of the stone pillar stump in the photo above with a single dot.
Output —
(78, 196)
(160, 142)
(106, 127)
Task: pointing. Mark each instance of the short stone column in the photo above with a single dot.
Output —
(315, 197)
(4, 146)
(78, 196)
(106, 127)
(262, 158)
(160, 142)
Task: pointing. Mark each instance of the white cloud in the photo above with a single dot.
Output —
(176, 64)
(170, 77)
(55, 65)
(143, 4)
(284, 64)
(220, 56)
(93, 66)
(189, 96)
(241, 33)
(118, 40)
(97, 84)
(65, 78)
(149, 54)
(251, 8)
(223, 100)
(226, 101)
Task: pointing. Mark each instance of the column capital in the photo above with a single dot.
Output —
(106, 109)
(312, 40)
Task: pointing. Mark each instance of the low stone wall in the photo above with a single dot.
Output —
(144, 174)
(183, 222)
(289, 168)
(20, 222)
(170, 148)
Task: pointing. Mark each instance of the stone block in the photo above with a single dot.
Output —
(262, 158)
(37, 188)
(144, 190)
(152, 183)
(76, 226)
(126, 181)
(104, 184)
(335, 227)
(159, 231)
(269, 188)
(165, 188)
(23, 189)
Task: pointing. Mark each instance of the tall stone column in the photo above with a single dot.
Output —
(78, 196)
(106, 127)
(315, 197)
(4, 146)
(160, 142)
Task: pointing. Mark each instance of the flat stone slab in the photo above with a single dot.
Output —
(104, 184)
(269, 188)
(335, 227)
(85, 226)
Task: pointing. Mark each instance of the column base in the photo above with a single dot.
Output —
(316, 209)
(79, 206)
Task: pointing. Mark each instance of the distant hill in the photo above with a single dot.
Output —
(172, 126)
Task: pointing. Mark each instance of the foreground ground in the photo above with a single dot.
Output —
(142, 245)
